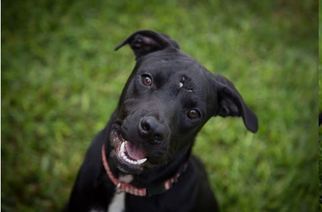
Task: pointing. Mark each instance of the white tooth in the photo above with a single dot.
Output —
(141, 161)
(125, 143)
(122, 147)
(128, 160)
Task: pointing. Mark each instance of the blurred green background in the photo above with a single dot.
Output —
(320, 99)
(61, 81)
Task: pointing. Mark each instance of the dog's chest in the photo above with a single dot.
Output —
(118, 201)
(117, 204)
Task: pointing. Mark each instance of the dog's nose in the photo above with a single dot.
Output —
(152, 129)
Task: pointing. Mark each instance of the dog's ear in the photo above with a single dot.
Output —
(230, 103)
(145, 41)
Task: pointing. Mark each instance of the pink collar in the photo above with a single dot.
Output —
(128, 188)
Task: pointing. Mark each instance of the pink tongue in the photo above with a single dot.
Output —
(134, 152)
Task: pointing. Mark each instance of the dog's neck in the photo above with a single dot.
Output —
(163, 172)
(156, 175)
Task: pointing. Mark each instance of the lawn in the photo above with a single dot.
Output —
(61, 81)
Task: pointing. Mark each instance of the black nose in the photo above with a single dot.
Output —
(151, 129)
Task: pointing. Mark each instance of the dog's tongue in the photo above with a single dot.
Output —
(134, 152)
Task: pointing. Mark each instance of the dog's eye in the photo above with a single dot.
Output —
(146, 80)
(193, 114)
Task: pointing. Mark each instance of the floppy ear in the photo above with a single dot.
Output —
(230, 103)
(145, 41)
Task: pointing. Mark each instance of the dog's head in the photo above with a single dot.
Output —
(165, 102)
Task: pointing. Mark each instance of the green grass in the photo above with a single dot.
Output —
(61, 81)
(320, 99)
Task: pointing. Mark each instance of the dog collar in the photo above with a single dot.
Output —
(148, 191)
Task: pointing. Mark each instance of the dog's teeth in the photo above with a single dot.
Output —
(129, 160)
(133, 162)
(141, 161)
(126, 158)
(122, 149)
(123, 155)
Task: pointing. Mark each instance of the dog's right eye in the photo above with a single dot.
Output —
(146, 80)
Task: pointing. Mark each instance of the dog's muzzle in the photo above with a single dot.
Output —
(126, 153)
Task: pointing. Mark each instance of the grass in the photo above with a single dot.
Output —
(61, 81)
(320, 100)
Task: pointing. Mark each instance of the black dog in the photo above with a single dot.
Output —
(141, 161)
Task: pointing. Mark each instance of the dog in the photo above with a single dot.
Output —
(142, 160)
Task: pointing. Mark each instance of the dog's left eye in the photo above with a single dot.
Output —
(146, 80)
(193, 114)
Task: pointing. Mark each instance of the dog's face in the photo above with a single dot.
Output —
(165, 102)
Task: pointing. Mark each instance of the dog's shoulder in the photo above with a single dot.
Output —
(197, 164)
(206, 200)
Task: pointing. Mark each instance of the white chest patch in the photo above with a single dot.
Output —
(118, 201)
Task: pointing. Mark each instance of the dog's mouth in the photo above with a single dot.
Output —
(130, 157)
